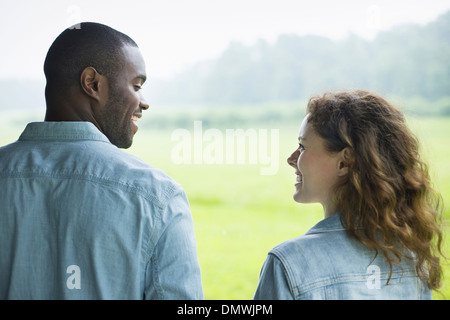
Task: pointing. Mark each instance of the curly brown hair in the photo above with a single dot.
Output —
(386, 200)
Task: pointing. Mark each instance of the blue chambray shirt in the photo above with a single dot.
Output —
(327, 263)
(82, 219)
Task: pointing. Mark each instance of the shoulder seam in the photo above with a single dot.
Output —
(167, 192)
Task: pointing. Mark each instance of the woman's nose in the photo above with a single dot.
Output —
(292, 160)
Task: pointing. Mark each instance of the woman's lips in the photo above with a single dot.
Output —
(299, 179)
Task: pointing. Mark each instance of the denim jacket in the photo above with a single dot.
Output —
(82, 219)
(328, 263)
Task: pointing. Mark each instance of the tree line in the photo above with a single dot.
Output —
(406, 61)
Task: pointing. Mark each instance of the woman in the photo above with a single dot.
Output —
(380, 237)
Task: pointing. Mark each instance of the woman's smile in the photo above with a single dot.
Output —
(299, 179)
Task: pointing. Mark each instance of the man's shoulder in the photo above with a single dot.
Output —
(86, 160)
(134, 173)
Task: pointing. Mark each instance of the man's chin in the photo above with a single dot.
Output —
(122, 143)
(126, 146)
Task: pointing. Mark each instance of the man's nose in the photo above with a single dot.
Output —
(143, 104)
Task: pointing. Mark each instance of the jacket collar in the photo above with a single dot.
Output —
(330, 224)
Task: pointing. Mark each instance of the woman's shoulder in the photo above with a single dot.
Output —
(327, 242)
(320, 234)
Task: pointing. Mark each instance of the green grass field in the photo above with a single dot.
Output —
(239, 214)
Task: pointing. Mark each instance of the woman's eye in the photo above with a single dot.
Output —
(301, 147)
(138, 87)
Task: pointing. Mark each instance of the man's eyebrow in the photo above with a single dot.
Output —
(301, 138)
(143, 77)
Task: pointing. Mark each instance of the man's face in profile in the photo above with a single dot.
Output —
(125, 104)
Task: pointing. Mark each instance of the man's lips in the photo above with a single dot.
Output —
(135, 117)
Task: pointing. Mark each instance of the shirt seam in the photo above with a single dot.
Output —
(63, 138)
(65, 131)
(92, 178)
(147, 245)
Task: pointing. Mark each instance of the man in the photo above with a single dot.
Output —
(80, 218)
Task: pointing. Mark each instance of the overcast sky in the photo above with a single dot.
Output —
(173, 33)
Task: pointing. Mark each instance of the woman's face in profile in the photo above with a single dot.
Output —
(316, 169)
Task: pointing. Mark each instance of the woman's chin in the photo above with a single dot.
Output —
(297, 197)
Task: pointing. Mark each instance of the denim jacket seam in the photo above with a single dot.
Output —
(315, 231)
(278, 254)
(350, 277)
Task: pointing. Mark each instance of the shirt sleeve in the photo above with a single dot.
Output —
(173, 272)
(273, 283)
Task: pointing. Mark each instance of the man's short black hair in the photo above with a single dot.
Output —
(87, 44)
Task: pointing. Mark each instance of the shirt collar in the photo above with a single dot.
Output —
(62, 131)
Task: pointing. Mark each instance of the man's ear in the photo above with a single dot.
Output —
(345, 160)
(93, 84)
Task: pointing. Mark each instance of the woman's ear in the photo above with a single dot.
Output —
(345, 159)
(93, 84)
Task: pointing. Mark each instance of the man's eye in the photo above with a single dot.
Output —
(301, 147)
(138, 87)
